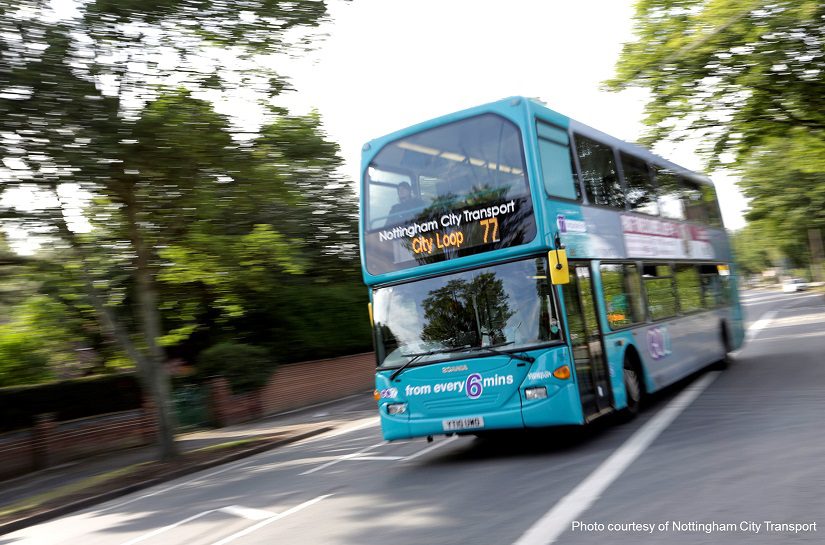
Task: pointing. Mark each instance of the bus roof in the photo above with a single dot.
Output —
(535, 106)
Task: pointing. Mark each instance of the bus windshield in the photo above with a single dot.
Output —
(446, 192)
(455, 316)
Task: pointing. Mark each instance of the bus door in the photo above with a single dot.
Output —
(585, 341)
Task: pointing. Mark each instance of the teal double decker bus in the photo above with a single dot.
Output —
(526, 270)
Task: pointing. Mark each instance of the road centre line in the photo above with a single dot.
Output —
(235, 510)
(379, 458)
(342, 458)
(557, 520)
(166, 528)
(247, 512)
(270, 520)
(431, 448)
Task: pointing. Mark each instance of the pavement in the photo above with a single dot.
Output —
(282, 429)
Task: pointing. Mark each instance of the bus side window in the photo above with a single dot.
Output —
(598, 172)
(621, 288)
(641, 191)
(661, 299)
(692, 201)
(556, 163)
(670, 194)
(711, 286)
(712, 212)
(688, 287)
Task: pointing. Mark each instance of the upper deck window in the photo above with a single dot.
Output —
(714, 215)
(445, 192)
(641, 192)
(694, 205)
(598, 171)
(556, 164)
(670, 194)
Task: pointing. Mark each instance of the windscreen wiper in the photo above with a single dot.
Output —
(415, 357)
(492, 349)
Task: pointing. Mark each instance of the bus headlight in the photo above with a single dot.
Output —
(396, 408)
(535, 392)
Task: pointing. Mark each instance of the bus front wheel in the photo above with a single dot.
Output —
(632, 388)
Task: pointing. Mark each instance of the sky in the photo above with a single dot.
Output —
(387, 64)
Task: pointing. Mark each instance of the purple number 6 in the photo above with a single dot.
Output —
(473, 386)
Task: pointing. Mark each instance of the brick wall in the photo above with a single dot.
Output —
(16, 453)
(87, 436)
(51, 443)
(294, 386)
(300, 384)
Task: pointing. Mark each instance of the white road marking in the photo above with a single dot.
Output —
(248, 513)
(431, 448)
(342, 458)
(235, 510)
(378, 458)
(357, 425)
(760, 324)
(270, 520)
(796, 336)
(153, 533)
(349, 428)
(556, 521)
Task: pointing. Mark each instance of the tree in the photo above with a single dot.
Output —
(747, 78)
(739, 72)
(101, 97)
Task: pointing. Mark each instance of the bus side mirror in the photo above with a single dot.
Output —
(559, 271)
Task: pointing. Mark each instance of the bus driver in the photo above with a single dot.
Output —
(406, 203)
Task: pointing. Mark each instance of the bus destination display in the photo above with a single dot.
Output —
(437, 235)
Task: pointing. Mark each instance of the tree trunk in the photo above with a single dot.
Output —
(150, 370)
(155, 371)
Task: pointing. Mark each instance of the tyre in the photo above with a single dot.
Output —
(633, 389)
(726, 360)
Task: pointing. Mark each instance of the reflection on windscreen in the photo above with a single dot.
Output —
(506, 305)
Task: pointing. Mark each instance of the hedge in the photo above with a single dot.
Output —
(68, 399)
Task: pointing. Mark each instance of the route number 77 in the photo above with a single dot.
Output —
(488, 223)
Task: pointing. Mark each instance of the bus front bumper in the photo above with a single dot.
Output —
(560, 409)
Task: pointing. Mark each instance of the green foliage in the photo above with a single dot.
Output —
(44, 340)
(247, 236)
(108, 98)
(247, 367)
(22, 360)
(785, 180)
(740, 72)
(748, 78)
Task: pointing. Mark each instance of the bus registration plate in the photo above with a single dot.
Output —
(456, 424)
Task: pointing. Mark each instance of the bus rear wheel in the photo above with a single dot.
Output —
(726, 360)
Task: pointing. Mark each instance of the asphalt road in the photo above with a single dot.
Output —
(710, 461)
